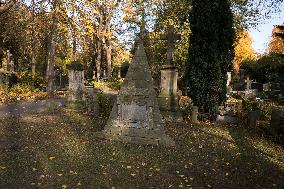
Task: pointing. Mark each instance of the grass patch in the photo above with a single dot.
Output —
(59, 150)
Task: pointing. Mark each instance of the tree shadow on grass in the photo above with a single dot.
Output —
(256, 168)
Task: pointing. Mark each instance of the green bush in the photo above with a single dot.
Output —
(105, 104)
(264, 108)
(269, 68)
(26, 79)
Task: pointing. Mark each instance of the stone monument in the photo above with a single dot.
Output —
(168, 98)
(76, 80)
(229, 80)
(135, 116)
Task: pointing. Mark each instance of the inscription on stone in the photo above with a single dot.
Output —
(133, 113)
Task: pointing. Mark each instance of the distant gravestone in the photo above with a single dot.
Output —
(257, 86)
(248, 83)
(253, 116)
(168, 98)
(277, 121)
(242, 75)
(194, 115)
(76, 80)
(229, 80)
(135, 116)
(1, 79)
(12, 80)
(266, 87)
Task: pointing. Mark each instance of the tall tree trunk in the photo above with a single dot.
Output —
(108, 51)
(108, 48)
(99, 47)
(99, 59)
(33, 40)
(51, 49)
(16, 63)
(74, 40)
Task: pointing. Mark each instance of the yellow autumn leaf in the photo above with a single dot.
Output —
(51, 158)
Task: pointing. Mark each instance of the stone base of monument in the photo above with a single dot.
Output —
(169, 107)
(138, 136)
(135, 116)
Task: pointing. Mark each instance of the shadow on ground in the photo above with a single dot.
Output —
(58, 150)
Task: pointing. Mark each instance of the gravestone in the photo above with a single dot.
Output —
(248, 83)
(240, 84)
(76, 80)
(277, 121)
(229, 80)
(194, 115)
(1, 79)
(135, 116)
(257, 86)
(168, 98)
(266, 87)
(253, 117)
(226, 114)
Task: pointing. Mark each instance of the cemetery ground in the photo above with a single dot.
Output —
(58, 148)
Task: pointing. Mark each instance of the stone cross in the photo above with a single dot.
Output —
(229, 78)
(171, 37)
(248, 82)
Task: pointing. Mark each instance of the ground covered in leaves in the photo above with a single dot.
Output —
(57, 149)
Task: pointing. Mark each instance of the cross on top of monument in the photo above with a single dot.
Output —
(171, 37)
(248, 82)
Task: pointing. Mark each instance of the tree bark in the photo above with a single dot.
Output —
(107, 47)
(99, 47)
(51, 49)
(33, 40)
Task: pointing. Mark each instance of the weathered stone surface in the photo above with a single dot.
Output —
(76, 80)
(168, 98)
(277, 121)
(135, 116)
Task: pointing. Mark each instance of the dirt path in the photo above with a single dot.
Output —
(24, 108)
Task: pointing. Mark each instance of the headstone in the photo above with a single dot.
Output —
(248, 83)
(277, 121)
(135, 116)
(266, 87)
(12, 80)
(168, 98)
(226, 114)
(76, 80)
(194, 115)
(229, 80)
(1, 79)
(253, 116)
(257, 86)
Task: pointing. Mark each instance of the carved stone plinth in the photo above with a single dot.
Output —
(76, 80)
(168, 98)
